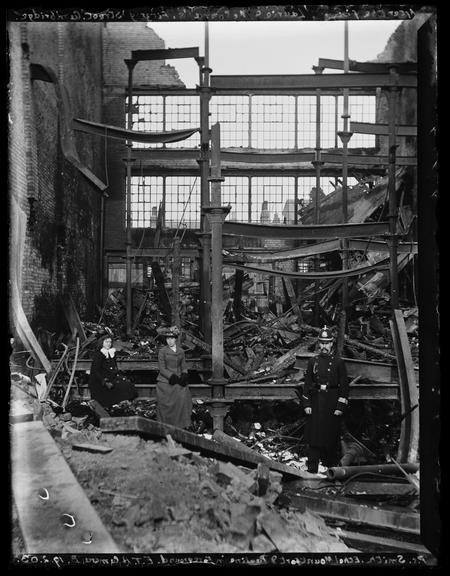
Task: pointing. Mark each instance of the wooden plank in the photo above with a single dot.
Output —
(369, 67)
(164, 54)
(347, 510)
(409, 388)
(130, 365)
(382, 129)
(373, 371)
(293, 298)
(96, 448)
(389, 543)
(24, 330)
(72, 316)
(151, 429)
(38, 465)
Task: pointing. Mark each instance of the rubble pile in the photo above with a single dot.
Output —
(157, 497)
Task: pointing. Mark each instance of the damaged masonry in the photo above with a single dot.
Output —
(214, 312)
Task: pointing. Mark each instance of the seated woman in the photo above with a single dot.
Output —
(173, 397)
(107, 384)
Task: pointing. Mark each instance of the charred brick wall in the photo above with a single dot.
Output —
(401, 47)
(61, 252)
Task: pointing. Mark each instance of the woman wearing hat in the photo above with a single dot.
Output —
(107, 384)
(173, 397)
(325, 397)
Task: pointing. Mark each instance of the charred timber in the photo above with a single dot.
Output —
(340, 472)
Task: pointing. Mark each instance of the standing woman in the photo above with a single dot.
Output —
(106, 383)
(173, 397)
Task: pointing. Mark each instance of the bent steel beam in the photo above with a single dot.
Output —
(310, 81)
(306, 232)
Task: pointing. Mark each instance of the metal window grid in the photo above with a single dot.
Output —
(273, 122)
(272, 199)
(233, 113)
(263, 122)
(146, 195)
(235, 191)
(148, 116)
(182, 193)
(182, 112)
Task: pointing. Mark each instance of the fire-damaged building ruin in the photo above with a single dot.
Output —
(243, 222)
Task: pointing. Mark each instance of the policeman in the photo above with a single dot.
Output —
(325, 396)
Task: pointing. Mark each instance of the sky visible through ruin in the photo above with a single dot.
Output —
(272, 47)
(264, 47)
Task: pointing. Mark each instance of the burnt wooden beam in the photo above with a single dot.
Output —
(382, 129)
(151, 429)
(164, 54)
(369, 67)
(347, 510)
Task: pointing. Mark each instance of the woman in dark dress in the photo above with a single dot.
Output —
(173, 397)
(107, 384)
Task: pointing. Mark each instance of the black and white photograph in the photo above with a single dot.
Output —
(223, 286)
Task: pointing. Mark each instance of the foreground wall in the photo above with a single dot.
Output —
(60, 207)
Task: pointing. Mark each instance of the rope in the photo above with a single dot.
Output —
(185, 206)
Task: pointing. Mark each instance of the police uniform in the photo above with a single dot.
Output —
(325, 390)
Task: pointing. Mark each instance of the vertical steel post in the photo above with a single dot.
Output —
(392, 193)
(176, 270)
(345, 136)
(205, 276)
(317, 163)
(216, 215)
(129, 307)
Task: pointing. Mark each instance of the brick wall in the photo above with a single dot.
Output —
(61, 250)
(401, 47)
(119, 40)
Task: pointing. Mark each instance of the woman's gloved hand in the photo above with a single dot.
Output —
(173, 379)
(184, 379)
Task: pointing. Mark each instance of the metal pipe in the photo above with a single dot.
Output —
(339, 472)
(130, 65)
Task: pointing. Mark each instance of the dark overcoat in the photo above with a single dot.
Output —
(325, 390)
(174, 402)
(105, 368)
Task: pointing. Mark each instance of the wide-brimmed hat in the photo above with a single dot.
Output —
(168, 332)
(102, 337)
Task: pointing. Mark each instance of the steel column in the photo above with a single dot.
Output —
(205, 276)
(129, 307)
(317, 163)
(216, 215)
(345, 136)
